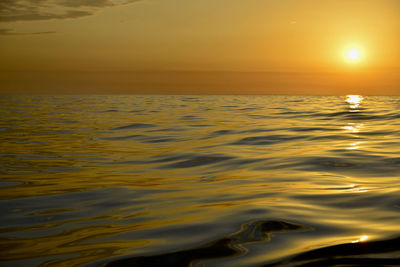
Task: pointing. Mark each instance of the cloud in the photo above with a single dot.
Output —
(32, 15)
(12, 32)
(87, 3)
(34, 10)
(7, 32)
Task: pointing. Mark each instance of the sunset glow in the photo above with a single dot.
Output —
(200, 47)
(207, 133)
(353, 55)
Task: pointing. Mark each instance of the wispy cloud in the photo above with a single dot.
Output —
(12, 32)
(34, 10)
(7, 32)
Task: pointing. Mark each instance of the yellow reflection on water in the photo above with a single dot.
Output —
(361, 239)
(354, 100)
(354, 146)
(353, 127)
(359, 190)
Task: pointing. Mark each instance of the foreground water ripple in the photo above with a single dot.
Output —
(151, 180)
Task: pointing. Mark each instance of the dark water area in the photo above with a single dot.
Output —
(156, 180)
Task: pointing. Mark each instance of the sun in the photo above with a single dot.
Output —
(353, 54)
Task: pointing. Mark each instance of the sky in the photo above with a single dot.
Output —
(200, 46)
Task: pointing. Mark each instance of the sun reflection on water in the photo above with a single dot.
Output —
(354, 101)
(359, 190)
(353, 127)
(135, 181)
(361, 239)
(353, 146)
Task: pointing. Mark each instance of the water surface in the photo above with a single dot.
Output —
(153, 180)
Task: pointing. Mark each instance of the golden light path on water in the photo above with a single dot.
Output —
(354, 101)
(240, 180)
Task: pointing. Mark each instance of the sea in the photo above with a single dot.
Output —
(199, 180)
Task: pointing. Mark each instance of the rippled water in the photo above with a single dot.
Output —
(205, 180)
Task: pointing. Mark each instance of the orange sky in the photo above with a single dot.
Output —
(207, 46)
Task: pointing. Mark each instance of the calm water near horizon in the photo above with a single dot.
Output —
(164, 180)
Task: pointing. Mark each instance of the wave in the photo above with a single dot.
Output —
(134, 126)
(373, 253)
(199, 180)
(228, 246)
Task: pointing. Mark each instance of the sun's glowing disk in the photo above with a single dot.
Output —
(353, 55)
